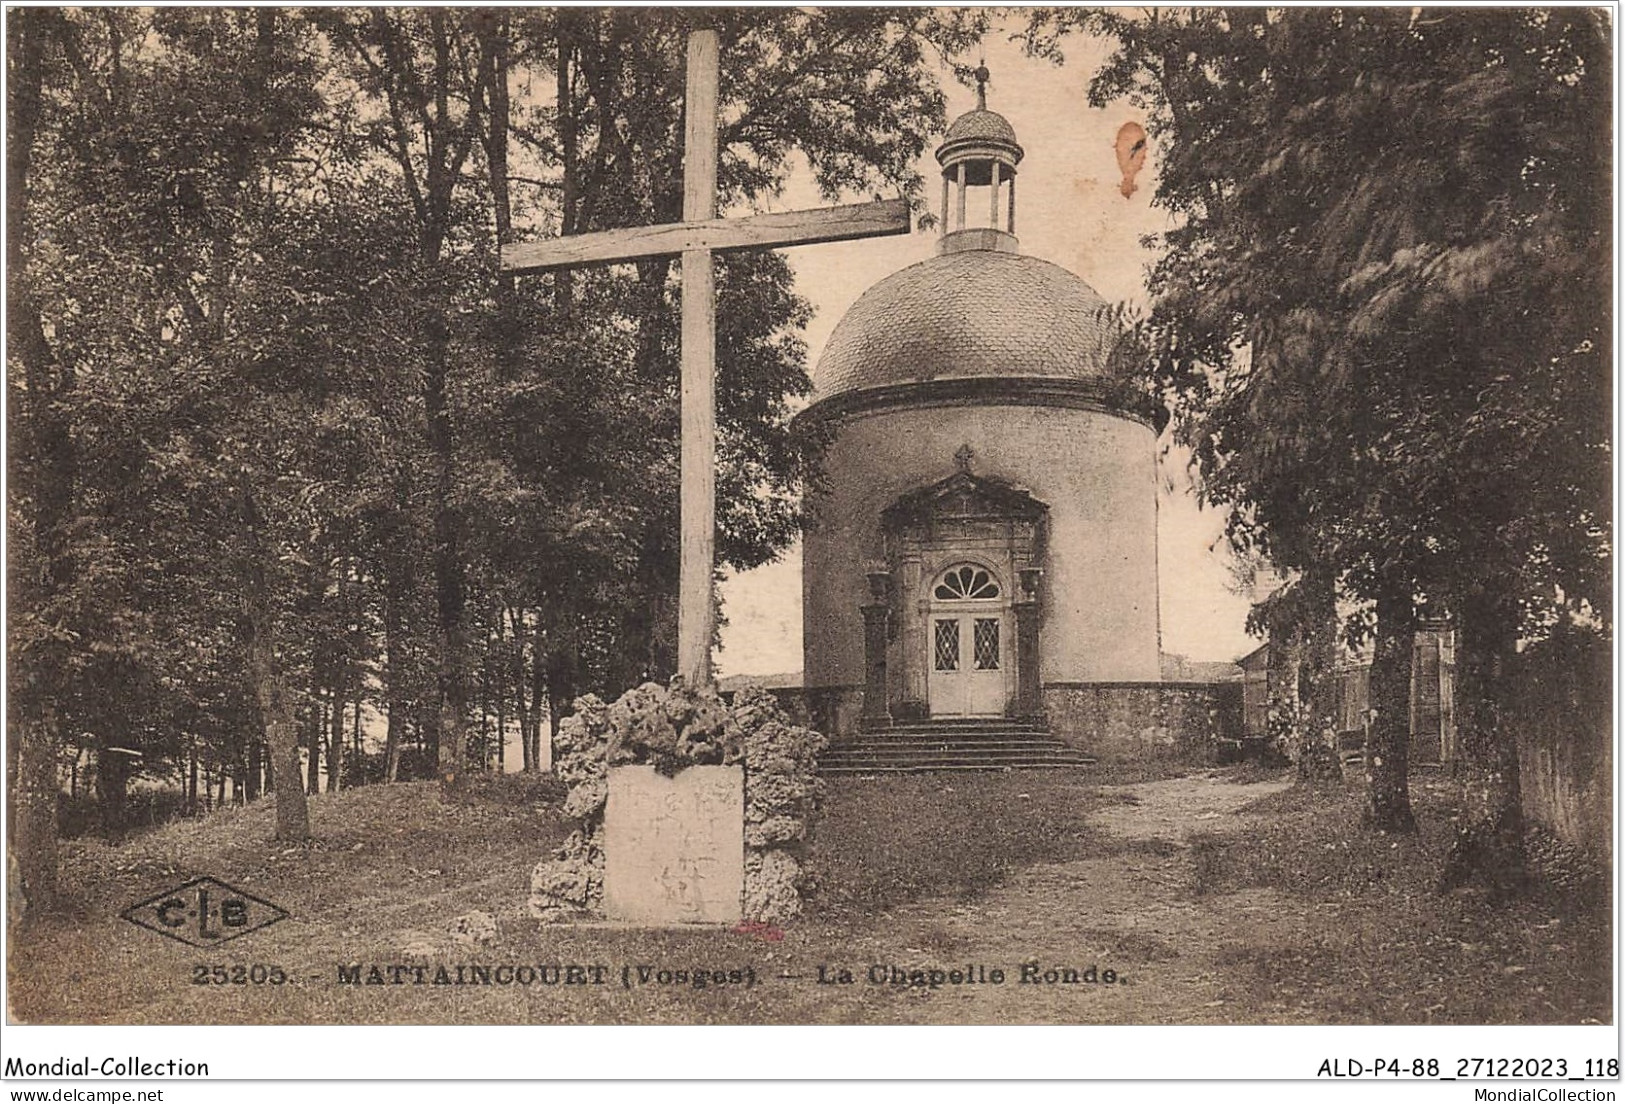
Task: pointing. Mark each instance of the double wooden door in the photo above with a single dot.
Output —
(967, 677)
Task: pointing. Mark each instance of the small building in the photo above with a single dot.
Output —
(1255, 692)
(1432, 696)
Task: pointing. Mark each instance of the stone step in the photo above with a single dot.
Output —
(907, 754)
(954, 764)
(930, 740)
(953, 744)
(1035, 756)
(932, 768)
(944, 726)
(957, 739)
(967, 724)
(959, 729)
(970, 747)
(898, 736)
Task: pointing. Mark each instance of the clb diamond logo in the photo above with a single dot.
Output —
(204, 912)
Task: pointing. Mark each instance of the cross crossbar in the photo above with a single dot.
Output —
(697, 238)
(782, 228)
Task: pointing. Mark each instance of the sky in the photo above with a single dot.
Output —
(1070, 211)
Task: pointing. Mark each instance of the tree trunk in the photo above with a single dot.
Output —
(356, 743)
(522, 703)
(501, 713)
(397, 573)
(558, 708)
(112, 787)
(281, 737)
(495, 36)
(191, 779)
(1388, 754)
(251, 773)
(484, 740)
(450, 600)
(44, 495)
(1318, 762)
(336, 676)
(313, 739)
(450, 583)
(569, 159)
(332, 726)
(561, 689)
(392, 744)
(442, 145)
(539, 689)
(335, 738)
(1284, 726)
(1488, 842)
(32, 813)
(278, 722)
(649, 631)
(560, 684)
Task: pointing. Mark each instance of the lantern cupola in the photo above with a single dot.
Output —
(979, 152)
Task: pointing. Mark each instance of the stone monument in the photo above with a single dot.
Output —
(674, 848)
(685, 809)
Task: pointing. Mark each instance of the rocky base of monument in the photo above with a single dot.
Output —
(670, 729)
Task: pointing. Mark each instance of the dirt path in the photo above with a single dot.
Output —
(1174, 809)
(1135, 913)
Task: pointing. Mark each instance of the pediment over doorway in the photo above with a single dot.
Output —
(963, 496)
(984, 529)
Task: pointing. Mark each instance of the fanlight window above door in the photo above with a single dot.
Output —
(967, 581)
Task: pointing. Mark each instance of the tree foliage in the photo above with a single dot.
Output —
(1382, 318)
(287, 450)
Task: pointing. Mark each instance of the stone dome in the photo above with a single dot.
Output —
(981, 126)
(968, 313)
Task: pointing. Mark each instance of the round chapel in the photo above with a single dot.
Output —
(983, 542)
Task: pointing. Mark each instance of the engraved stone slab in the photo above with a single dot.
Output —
(674, 848)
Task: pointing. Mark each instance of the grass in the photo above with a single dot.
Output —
(389, 867)
(1391, 948)
(883, 842)
(1284, 913)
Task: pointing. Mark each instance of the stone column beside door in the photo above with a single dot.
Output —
(876, 631)
(1029, 681)
(876, 621)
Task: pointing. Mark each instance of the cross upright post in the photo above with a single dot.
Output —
(697, 506)
(697, 239)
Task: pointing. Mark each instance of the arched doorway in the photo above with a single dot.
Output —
(968, 672)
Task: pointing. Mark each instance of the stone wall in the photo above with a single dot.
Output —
(1567, 785)
(834, 710)
(1187, 720)
(1184, 720)
(1562, 712)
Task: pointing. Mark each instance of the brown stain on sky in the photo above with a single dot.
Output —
(1130, 147)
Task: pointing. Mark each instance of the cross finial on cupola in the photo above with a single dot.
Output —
(979, 151)
(963, 457)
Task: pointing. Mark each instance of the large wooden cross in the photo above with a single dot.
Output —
(700, 235)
